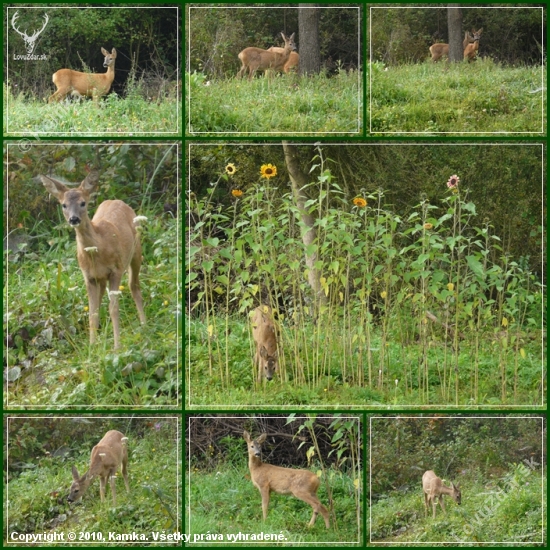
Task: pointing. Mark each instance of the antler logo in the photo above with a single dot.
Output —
(30, 41)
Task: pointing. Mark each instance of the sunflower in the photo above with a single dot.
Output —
(268, 171)
(453, 182)
(428, 226)
(237, 193)
(358, 201)
(230, 169)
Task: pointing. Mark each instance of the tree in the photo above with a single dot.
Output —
(298, 181)
(454, 21)
(308, 33)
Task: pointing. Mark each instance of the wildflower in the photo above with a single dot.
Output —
(383, 294)
(121, 288)
(138, 219)
(230, 169)
(450, 287)
(453, 182)
(268, 171)
(428, 226)
(237, 193)
(360, 202)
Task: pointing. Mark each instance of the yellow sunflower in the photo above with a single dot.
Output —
(358, 201)
(230, 169)
(237, 193)
(268, 171)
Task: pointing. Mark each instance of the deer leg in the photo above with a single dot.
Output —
(94, 300)
(125, 471)
(265, 500)
(113, 491)
(114, 310)
(442, 504)
(133, 277)
(102, 483)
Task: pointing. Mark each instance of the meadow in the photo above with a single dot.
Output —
(133, 115)
(48, 356)
(479, 98)
(283, 104)
(40, 454)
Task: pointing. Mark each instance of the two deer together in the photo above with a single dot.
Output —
(107, 246)
(107, 457)
(274, 59)
(470, 45)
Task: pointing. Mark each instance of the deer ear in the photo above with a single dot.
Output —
(55, 187)
(90, 181)
(76, 477)
(246, 436)
(261, 439)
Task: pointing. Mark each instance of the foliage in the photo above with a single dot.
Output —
(503, 99)
(496, 460)
(222, 501)
(41, 452)
(45, 302)
(285, 103)
(403, 34)
(146, 41)
(134, 115)
(426, 308)
(218, 34)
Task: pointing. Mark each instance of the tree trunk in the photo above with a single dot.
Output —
(308, 36)
(298, 181)
(454, 24)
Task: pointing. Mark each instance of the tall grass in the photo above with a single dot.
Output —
(481, 97)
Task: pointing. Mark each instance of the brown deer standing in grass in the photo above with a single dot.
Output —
(107, 457)
(106, 246)
(470, 52)
(256, 59)
(439, 50)
(84, 84)
(433, 487)
(264, 333)
(302, 484)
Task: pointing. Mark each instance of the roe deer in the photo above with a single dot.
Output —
(106, 246)
(107, 457)
(470, 52)
(302, 484)
(433, 487)
(256, 59)
(84, 84)
(293, 60)
(265, 336)
(439, 50)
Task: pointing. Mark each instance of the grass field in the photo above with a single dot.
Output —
(50, 361)
(481, 98)
(113, 115)
(283, 104)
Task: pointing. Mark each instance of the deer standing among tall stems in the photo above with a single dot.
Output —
(106, 246)
(107, 457)
(433, 487)
(256, 59)
(470, 52)
(302, 484)
(264, 333)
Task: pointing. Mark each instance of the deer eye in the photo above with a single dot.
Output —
(64, 205)
(82, 204)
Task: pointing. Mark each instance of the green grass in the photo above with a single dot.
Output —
(113, 115)
(226, 502)
(323, 373)
(320, 105)
(51, 362)
(38, 493)
(506, 510)
(480, 97)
